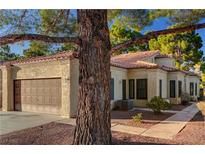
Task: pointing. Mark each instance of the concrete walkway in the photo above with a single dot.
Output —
(147, 109)
(70, 121)
(15, 121)
(128, 129)
(168, 128)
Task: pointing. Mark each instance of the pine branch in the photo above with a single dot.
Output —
(8, 39)
(13, 38)
(155, 34)
(19, 26)
(55, 20)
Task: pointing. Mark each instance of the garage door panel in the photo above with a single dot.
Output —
(38, 95)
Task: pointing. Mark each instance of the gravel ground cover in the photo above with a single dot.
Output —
(148, 118)
(57, 133)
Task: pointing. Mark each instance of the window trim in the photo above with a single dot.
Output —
(124, 89)
(179, 88)
(160, 88)
(191, 88)
(132, 97)
(196, 89)
(174, 90)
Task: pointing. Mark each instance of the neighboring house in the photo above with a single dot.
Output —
(148, 74)
(49, 84)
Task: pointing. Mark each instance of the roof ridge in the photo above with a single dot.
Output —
(58, 55)
(137, 52)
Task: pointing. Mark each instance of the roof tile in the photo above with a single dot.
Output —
(129, 60)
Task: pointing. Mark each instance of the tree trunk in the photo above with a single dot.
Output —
(93, 124)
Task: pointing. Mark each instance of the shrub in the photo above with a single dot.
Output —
(137, 118)
(157, 104)
(185, 98)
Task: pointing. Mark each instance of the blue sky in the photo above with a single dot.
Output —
(158, 24)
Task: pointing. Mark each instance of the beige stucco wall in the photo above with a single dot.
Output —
(194, 79)
(118, 74)
(68, 71)
(7, 88)
(74, 81)
(153, 76)
(53, 69)
(165, 61)
(162, 75)
(138, 74)
(177, 76)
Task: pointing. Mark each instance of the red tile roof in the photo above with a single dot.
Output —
(189, 73)
(137, 64)
(169, 69)
(58, 56)
(127, 61)
(134, 60)
(173, 69)
(164, 56)
(130, 57)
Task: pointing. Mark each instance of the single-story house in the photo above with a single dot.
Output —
(49, 84)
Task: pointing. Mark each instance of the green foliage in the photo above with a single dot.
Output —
(185, 98)
(179, 16)
(137, 118)
(19, 21)
(58, 22)
(185, 47)
(157, 104)
(37, 49)
(119, 34)
(123, 24)
(131, 19)
(203, 77)
(67, 47)
(5, 54)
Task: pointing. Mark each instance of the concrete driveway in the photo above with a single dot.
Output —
(15, 121)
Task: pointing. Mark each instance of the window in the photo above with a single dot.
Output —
(179, 88)
(191, 88)
(131, 88)
(123, 89)
(196, 89)
(141, 88)
(172, 88)
(112, 89)
(160, 88)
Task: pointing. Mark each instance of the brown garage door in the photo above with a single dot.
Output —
(38, 95)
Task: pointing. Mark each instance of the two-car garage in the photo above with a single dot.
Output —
(38, 95)
(42, 84)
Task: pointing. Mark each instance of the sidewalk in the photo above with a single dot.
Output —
(147, 109)
(166, 129)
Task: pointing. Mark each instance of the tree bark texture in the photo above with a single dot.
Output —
(93, 124)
